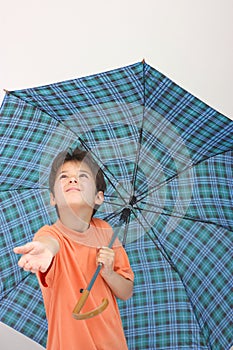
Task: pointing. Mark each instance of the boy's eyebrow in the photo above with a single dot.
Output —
(80, 170)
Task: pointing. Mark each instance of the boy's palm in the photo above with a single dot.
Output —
(35, 257)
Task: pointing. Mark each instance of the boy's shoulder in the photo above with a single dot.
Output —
(103, 233)
(45, 230)
(97, 222)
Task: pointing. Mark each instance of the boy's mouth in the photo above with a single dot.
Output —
(72, 189)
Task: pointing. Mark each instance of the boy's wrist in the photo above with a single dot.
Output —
(49, 243)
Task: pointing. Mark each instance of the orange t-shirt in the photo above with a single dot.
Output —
(71, 270)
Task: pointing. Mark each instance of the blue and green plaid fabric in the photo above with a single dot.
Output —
(167, 159)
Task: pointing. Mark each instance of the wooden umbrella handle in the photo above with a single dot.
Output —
(76, 312)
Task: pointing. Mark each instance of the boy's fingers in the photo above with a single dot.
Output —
(29, 267)
(107, 252)
(27, 263)
(24, 249)
(105, 256)
(23, 262)
(17, 250)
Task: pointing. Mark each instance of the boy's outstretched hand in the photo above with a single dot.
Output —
(35, 256)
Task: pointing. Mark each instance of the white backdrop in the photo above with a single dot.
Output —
(189, 41)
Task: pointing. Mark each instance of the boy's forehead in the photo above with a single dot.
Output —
(74, 165)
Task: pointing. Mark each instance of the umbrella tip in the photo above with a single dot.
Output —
(143, 61)
(6, 91)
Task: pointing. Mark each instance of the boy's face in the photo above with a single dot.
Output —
(75, 187)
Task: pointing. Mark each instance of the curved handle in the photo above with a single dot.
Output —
(76, 312)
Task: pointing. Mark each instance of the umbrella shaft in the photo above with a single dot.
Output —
(94, 277)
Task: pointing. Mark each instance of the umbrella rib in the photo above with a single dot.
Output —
(104, 166)
(23, 189)
(13, 288)
(140, 134)
(164, 183)
(176, 214)
(169, 260)
(163, 251)
(36, 107)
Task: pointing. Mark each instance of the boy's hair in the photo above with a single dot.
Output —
(79, 156)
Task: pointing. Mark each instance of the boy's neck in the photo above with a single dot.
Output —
(76, 222)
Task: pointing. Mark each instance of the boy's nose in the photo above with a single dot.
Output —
(73, 180)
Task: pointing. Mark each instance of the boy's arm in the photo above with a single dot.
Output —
(38, 254)
(120, 286)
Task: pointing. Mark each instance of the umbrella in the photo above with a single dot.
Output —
(167, 159)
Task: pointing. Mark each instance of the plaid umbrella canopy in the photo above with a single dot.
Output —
(167, 159)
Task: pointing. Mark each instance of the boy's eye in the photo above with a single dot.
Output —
(62, 176)
(78, 176)
(83, 176)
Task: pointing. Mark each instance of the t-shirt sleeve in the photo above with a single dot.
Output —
(122, 264)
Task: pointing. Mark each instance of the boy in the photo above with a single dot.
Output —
(65, 255)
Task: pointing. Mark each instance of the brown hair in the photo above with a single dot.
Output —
(80, 156)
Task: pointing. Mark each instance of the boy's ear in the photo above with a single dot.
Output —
(99, 198)
(52, 199)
